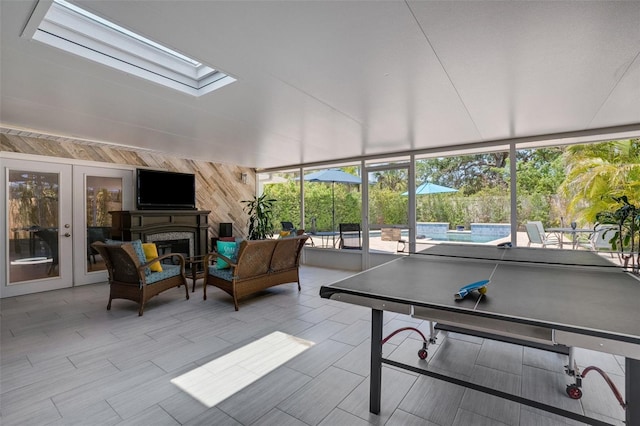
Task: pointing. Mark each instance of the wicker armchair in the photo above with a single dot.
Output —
(130, 279)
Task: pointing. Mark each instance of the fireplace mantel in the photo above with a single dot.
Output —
(129, 225)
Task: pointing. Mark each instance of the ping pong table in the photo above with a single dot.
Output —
(546, 296)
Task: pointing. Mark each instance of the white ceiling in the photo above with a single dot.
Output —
(324, 80)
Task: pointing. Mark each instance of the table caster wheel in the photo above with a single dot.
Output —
(574, 392)
(422, 353)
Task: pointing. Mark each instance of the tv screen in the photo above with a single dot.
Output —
(162, 190)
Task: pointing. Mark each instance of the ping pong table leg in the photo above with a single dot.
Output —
(375, 387)
(632, 391)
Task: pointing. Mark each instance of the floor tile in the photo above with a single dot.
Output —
(317, 399)
(66, 360)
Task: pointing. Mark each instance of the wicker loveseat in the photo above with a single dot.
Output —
(130, 279)
(260, 264)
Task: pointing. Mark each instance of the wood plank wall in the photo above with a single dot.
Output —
(219, 187)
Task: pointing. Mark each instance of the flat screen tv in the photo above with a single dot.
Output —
(162, 190)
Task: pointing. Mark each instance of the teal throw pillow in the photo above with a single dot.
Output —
(227, 249)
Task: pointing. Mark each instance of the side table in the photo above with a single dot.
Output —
(194, 269)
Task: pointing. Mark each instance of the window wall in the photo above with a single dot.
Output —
(573, 188)
(283, 186)
(332, 196)
(462, 196)
(388, 205)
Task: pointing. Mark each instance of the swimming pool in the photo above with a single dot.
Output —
(460, 237)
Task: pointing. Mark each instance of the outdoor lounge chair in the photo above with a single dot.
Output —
(537, 235)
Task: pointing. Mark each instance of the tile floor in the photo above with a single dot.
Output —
(66, 360)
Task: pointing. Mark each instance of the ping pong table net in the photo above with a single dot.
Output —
(519, 256)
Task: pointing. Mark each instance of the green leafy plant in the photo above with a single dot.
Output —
(627, 220)
(260, 210)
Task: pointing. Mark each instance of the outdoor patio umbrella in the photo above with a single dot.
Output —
(332, 176)
(431, 188)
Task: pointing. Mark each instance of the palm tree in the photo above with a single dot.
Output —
(394, 180)
(599, 173)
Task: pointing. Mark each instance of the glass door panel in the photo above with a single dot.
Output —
(103, 194)
(333, 199)
(285, 188)
(388, 207)
(97, 191)
(463, 199)
(38, 217)
(33, 221)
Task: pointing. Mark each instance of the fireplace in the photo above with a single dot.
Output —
(173, 231)
(174, 242)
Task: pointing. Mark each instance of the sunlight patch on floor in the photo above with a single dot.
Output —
(217, 380)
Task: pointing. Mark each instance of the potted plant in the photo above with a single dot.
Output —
(627, 220)
(260, 210)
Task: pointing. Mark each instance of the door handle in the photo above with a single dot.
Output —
(67, 234)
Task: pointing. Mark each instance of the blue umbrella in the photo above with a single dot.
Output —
(431, 188)
(332, 176)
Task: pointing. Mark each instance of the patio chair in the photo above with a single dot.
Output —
(541, 230)
(538, 236)
(287, 226)
(131, 279)
(350, 236)
(96, 233)
(600, 239)
(50, 238)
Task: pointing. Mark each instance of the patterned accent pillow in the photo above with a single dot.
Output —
(137, 247)
(228, 249)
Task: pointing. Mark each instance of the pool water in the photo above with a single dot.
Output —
(462, 237)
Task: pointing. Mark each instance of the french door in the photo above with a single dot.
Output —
(38, 227)
(96, 192)
(51, 213)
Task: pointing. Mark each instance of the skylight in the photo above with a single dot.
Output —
(78, 31)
